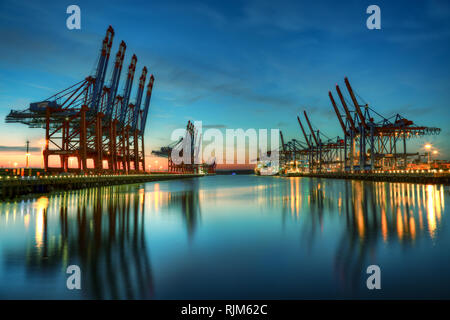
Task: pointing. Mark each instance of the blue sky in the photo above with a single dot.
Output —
(236, 64)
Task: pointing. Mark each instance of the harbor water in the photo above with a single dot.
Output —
(229, 237)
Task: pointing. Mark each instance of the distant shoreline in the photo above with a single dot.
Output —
(229, 172)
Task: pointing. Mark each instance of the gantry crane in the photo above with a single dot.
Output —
(371, 140)
(187, 149)
(89, 120)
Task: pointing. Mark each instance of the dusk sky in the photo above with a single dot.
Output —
(234, 64)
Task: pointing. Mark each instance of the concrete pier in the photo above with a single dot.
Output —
(13, 186)
(424, 178)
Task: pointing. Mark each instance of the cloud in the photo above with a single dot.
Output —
(418, 38)
(187, 80)
(438, 9)
(40, 87)
(18, 149)
(215, 16)
(213, 126)
(296, 16)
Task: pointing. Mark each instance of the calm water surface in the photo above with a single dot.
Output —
(229, 237)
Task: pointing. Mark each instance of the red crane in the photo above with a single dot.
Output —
(347, 112)
(311, 129)
(304, 133)
(337, 113)
(355, 102)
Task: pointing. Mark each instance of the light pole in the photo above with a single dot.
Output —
(435, 152)
(27, 155)
(428, 147)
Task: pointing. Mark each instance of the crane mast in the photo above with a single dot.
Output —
(355, 102)
(114, 84)
(127, 90)
(147, 104)
(282, 141)
(347, 112)
(337, 113)
(101, 69)
(304, 133)
(137, 107)
(311, 129)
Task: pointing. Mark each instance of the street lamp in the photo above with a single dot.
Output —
(428, 147)
(27, 155)
(435, 152)
(27, 160)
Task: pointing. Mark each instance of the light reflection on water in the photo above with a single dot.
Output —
(228, 237)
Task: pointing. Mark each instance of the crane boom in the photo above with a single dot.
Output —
(192, 135)
(304, 133)
(127, 90)
(347, 112)
(137, 106)
(197, 145)
(310, 128)
(114, 84)
(282, 141)
(337, 112)
(101, 69)
(355, 102)
(147, 104)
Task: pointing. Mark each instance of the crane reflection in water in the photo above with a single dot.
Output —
(274, 235)
(393, 212)
(100, 229)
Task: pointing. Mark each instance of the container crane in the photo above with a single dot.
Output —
(101, 69)
(134, 112)
(114, 83)
(127, 91)
(88, 119)
(146, 105)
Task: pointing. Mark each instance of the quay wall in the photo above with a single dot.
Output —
(421, 178)
(11, 187)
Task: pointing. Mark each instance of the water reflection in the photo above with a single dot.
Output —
(185, 202)
(110, 232)
(394, 212)
(398, 211)
(101, 229)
